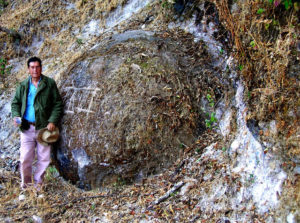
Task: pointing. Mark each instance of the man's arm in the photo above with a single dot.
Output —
(16, 106)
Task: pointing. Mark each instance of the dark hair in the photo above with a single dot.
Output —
(34, 59)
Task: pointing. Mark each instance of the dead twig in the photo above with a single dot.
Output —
(168, 194)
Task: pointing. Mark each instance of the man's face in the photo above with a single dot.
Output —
(35, 69)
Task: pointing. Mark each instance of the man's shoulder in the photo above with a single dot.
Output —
(48, 79)
(24, 82)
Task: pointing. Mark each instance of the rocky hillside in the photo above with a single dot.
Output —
(175, 111)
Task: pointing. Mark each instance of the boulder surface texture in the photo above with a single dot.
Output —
(128, 108)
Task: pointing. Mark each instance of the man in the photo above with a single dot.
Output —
(38, 103)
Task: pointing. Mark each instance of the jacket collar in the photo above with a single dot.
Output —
(28, 80)
(42, 84)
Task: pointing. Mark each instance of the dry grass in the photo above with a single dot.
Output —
(63, 202)
(265, 47)
(34, 19)
(107, 6)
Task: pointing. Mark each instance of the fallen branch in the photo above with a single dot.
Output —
(168, 194)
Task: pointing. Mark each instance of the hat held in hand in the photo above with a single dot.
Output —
(45, 136)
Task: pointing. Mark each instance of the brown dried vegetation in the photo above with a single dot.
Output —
(265, 45)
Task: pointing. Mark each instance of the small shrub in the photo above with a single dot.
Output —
(4, 69)
(210, 100)
(260, 11)
(166, 4)
(211, 116)
(241, 67)
(211, 120)
(79, 41)
(287, 4)
(51, 173)
(167, 7)
(252, 43)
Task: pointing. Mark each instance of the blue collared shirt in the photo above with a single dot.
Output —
(29, 113)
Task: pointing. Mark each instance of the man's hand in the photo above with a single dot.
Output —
(51, 126)
(17, 121)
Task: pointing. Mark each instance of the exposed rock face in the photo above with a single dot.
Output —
(128, 107)
(136, 100)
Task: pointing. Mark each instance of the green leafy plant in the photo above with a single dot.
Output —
(212, 119)
(174, 194)
(210, 100)
(166, 4)
(287, 3)
(144, 65)
(260, 11)
(275, 22)
(2, 66)
(267, 26)
(51, 173)
(249, 95)
(251, 179)
(4, 69)
(211, 116)
(241, 67)
(167, 7)
(79, 41)
(252, 43)
(257, 161)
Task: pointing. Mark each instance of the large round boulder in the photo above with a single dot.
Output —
(130, 107)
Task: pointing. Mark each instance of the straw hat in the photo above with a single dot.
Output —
(45, 137)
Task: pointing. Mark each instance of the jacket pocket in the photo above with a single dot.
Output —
(45, 100)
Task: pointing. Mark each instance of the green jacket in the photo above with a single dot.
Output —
(48, 103)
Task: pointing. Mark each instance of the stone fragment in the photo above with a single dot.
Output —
(37, 219)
